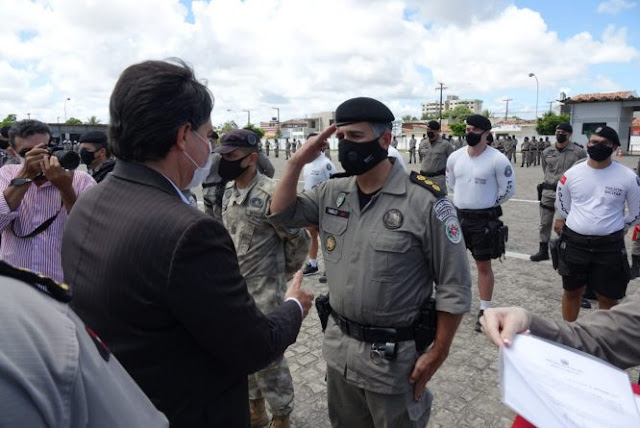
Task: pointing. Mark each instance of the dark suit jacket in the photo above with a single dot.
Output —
(158, 281)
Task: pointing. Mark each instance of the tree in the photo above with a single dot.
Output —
(228, 126)
(9, 120)
(427, 116)
(487, 113)
(73, 121)
(458, 129)
(256, 129)
(93, 121)
(459, 114)
(409, 118)
(546, 124)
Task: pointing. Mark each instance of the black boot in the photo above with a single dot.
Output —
(635, 267)
(542, 254)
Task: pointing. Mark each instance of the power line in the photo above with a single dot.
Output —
(506, 111)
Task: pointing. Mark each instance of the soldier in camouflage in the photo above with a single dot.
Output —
(268, 256)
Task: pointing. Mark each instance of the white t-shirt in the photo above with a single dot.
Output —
(592, 200)
(394, 153)
(318, 171)
(480, 182)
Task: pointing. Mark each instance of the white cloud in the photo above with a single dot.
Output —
(302, 56)
(613, 7)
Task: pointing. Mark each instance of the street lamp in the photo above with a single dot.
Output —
(248, 117)
(65, 108)
(537, 91)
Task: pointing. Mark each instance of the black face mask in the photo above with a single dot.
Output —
(4, 144)
(230, 170)
(431, 134)
(87, 157)
(561, 138)
(473, 139)
(358, 158)
(599, 152)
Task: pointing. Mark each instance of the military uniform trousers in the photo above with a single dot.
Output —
(530, 157)
(547, 212)
(368, 409)
(274, 382)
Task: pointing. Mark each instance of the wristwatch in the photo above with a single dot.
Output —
(20, 181)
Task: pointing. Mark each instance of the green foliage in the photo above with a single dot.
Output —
(255, 129)
(9, 120)
(93, 121)
(487, 113)
(427, 116)
(457, 129)
(546, 124)
(459, 114)
(73, 121)
(409, 118)
(227, 126)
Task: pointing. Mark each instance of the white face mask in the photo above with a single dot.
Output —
(201, 172)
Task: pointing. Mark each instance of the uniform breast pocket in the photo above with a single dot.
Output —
(390, 252)
(333, 231)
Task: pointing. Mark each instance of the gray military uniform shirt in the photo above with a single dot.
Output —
(52, 373)
(382, 262)
(555, 163)
(268, 254)
(434, 159)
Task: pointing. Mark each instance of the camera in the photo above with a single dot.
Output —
(68, 158)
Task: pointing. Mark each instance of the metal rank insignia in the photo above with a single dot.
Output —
(393, 219)
(330, 243)
(341, 198)
(427, 181)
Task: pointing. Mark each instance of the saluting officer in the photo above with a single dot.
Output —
(387, 237)
(434, 152)
(55, 370)
(556, 160)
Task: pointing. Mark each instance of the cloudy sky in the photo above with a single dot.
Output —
(306, 56)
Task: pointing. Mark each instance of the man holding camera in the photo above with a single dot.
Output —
(37, 196)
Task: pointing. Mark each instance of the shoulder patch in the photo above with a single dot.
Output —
(427, 183)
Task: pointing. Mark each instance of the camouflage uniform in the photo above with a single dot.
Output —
(268, 256)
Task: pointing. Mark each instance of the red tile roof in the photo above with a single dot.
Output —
(603, 97)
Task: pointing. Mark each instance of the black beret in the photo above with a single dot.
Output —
(608, 133)
(434, 124)
(237, 138)
(95, 137)
(214, 135)
(565, 127)
(479, 121)
(362, 109)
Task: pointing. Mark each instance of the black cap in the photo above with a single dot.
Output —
(237, 138)
(434, 125)
(362, 109)
(479, 121)
(608, 133)
(4, 131)
(566, 127)
(95, 137)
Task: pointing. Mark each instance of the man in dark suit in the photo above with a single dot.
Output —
(157, 279)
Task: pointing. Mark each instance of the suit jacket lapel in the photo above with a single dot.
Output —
(139, 173)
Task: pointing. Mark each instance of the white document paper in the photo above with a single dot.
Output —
(553, 386)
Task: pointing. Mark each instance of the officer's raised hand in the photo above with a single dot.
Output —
(295, 290)
(312, 147)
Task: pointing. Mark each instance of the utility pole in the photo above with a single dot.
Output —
(506, 111)
(440, 88)
(248, 116)
(278, 127)
(550, 105)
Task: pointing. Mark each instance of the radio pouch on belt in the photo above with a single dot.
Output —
(324, 309)
(553, 249)
(426, 325)
(539, 188)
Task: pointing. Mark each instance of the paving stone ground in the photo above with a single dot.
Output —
(466, 387)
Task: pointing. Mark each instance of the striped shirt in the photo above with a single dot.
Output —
(40, 253)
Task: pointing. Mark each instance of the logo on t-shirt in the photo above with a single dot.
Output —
(563, 179)
(508, 171)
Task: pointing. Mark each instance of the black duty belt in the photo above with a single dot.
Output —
(592, 239)
(433, 174)
(493, 212)
(548, 186)
(371, 334)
